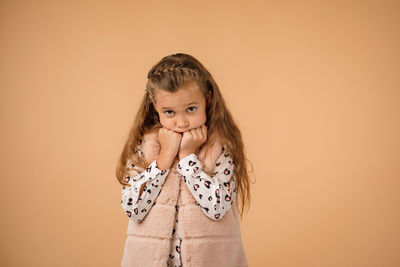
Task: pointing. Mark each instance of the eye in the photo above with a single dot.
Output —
(166, 112)
(193, 108)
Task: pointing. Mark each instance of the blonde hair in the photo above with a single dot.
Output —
(169, 74)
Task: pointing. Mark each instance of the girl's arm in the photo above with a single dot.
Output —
(146, 185)
(213, 194)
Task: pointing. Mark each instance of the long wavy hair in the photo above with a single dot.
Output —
(169, 74)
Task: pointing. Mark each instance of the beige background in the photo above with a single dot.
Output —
(313, 85)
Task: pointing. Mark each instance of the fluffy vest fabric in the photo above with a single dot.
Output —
(205, 242)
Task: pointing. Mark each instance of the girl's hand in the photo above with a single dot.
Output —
(192, 140)
(169, 141)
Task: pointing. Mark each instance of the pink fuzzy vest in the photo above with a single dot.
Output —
(205, 242)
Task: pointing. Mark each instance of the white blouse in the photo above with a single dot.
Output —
(214, 194)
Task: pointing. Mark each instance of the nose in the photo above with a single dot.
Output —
(182, 123)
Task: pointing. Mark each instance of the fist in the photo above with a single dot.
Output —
(169, 141)
(192, 140)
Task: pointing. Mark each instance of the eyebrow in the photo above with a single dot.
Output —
(194, 102)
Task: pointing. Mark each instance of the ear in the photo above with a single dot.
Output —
(151, 100)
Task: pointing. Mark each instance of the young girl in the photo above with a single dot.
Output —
(182, 170)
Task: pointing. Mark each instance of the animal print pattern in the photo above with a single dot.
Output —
(214, 194)
(174, 256)
(135, 206)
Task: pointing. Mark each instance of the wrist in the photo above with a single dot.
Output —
(164, 161)
(184, 154)
(167, 154)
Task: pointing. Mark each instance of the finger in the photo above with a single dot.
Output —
(194, 133)
(204, 130)
(199, 133)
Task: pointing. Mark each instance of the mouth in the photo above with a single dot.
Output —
(181, 131)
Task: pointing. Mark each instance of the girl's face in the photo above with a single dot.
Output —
(183, 110)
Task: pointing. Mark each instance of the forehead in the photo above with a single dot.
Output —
(184, 96)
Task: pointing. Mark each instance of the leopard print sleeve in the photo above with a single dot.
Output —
(214, 194)
(137, 206)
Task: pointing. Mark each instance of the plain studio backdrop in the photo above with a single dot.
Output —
(313, 85)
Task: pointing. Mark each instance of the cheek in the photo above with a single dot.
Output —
(167, 123)
(201, 119)
(164, 122)
(204, 119)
